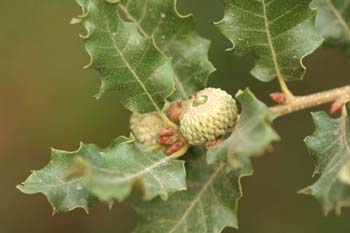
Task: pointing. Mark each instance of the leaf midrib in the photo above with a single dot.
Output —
(133, 72)
(270, 43)
(179, 84)
(197, 197)
(145, 170)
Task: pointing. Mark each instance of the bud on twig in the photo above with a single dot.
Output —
(279, 97)
(336, 106)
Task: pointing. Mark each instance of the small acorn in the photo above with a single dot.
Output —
(209, 114)
(146, 127)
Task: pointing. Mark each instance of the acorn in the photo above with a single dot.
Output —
(209, 114)
(146, 127)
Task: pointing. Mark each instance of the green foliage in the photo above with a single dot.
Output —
(150, 54)
(128, 62)
(333, 21)
(63, 194)
(279, 34)
(176, 36)
(252, 134)
(209, 205)
(106, 174)
(330, 147)
(126, 163)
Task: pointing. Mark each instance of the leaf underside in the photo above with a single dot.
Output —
(176, 37)
(128, 163)
(333, 21)
(128, 62)
(330, 147)
(253, 133)
(62, 194)
(279, 34)
(209, 205)
(106, 174)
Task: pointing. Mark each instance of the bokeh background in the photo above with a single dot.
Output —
(46, 101)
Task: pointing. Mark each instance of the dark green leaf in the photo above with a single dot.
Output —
(253, 133)
(279, 34)
(63, 195)
(329, 145)
(128, 62)
(209, 205)
(333, 21)
(176, 36)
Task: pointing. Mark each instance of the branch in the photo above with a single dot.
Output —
(313, 100)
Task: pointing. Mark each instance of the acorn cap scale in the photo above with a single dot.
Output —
(209, 114)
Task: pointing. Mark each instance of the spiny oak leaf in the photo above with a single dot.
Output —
(278, 33)
(176, 36)
(209, 205)
(63, 194)
(329, 145)
(126, 163)
(128, 62)
(77, 179)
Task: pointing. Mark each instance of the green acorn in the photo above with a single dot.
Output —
(146, 127)
(208, 115)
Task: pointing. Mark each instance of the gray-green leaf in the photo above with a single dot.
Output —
(330, 146)
(127, 163)
(128, 62)
(106, 174)
(253, 133)
(209, 205)
(176, 36)
(63, 195)
(279, 34)
(333, 21)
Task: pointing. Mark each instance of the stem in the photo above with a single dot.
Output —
(166, 120)
(279, 75)
(181, 152)
(313, 100)
(285, 88)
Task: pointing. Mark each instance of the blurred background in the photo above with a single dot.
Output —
(46, 101)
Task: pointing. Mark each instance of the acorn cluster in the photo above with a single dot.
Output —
(209, 115)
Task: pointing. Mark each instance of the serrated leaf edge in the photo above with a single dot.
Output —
(177, 81)
(54, 211)
(308, 189)
(212, 177)
(136, 180)
(87, 35)
(189, 15)
(272, 49)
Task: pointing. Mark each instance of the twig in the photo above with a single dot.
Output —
(313, 100)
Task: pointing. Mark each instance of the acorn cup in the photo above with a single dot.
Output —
(146, 128)
(150, 130)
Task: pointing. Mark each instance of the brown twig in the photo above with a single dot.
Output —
(313, 100)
